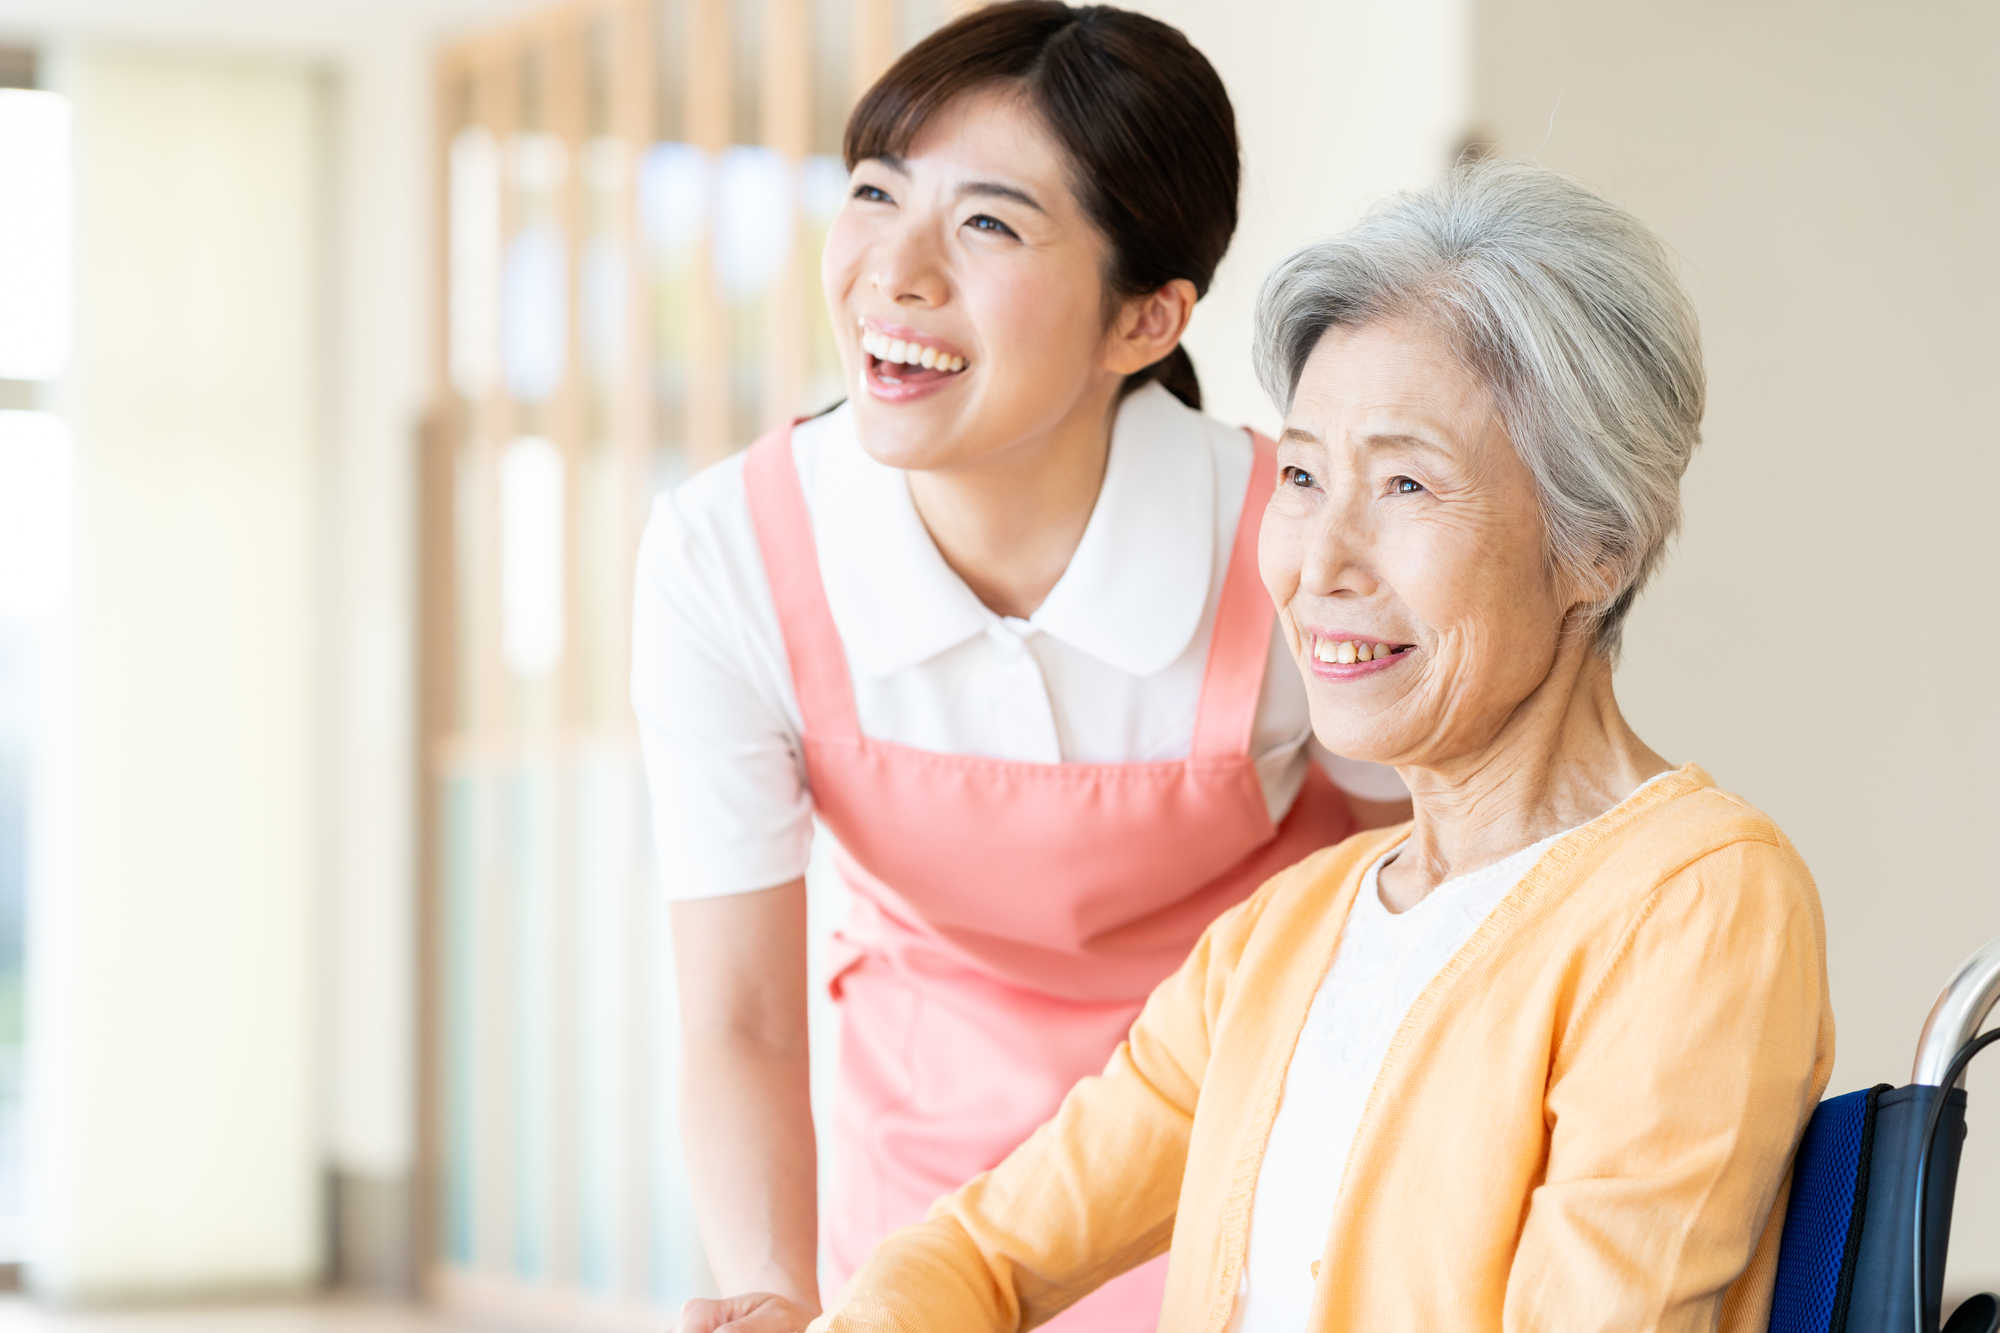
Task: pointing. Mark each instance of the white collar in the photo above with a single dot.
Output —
(1132, 596)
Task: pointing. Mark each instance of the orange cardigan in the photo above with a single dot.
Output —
(1586, 1121)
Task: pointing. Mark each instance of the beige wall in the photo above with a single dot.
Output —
(173, 1094)
(1337, 103)
(1824, 640)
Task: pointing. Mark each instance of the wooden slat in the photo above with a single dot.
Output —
(874, 41)
(437, 698)
(787, 117)
(632, 412)
(708, 85)
(632, 436)
(499, 110)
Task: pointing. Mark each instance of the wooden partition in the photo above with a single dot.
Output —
(632, 197)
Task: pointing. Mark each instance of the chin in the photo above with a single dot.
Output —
(901, 437)
(1344, 737)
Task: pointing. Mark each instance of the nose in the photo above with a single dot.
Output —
(908, 268)
(1338, 547)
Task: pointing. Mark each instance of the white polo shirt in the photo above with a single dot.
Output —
(1107, 670)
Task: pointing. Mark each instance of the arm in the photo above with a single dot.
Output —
(746, 1111)
(731, 818)
(1675, 1101)
(1092, 1193)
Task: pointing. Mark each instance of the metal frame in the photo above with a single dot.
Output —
(1962, 1007)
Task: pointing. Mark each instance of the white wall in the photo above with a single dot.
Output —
(382, 301)
(376, 271)
(174, 1094)
(1338, 102)
(1824, 639)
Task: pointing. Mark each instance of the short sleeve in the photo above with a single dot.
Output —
(730, 809)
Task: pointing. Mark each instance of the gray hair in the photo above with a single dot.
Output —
(1566, 307)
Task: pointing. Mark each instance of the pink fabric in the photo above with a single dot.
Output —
(1010, 918)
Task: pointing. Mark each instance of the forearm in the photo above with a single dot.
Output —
(746, 1123)
(746, 1105)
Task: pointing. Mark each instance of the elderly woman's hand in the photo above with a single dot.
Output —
(752, 1312)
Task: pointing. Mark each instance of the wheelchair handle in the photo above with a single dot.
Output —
(1955, 1019)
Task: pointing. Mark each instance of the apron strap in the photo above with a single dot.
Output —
(791, 565)
(1240, 649)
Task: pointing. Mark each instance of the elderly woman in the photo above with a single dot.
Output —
(1539, 1059)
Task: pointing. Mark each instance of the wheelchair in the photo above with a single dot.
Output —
(1859, 1255)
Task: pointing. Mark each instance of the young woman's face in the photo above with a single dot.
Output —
(972, 249)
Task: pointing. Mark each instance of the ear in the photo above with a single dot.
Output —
(1595, 586)
(1149, 326)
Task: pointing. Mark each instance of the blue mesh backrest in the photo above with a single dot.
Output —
(1819, 1216)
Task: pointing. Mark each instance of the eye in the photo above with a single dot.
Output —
(1405, 486)
(1298, 476)
(986, 222)
(871, 194)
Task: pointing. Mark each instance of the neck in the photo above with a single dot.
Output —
(1564, 757)
(1008, 521)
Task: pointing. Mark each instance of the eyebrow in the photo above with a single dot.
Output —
(1304, 436)
(1409, 441)
(995, 190)
(990, 189)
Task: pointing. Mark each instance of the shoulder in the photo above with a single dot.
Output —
(1700, 831)
(1287, 907)
(1698, 882)
(706, 521)
(1674, 824)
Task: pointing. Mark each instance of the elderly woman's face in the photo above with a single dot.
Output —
(1404, 549)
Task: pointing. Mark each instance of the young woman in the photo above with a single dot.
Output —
(996, 622)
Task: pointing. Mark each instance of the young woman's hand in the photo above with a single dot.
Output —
(753, 1312)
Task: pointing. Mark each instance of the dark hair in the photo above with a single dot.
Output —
(1141, 115)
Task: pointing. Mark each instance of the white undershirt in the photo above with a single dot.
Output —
(1107, 670)
(1384, 962)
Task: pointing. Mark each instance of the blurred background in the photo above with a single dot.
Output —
(342, 343)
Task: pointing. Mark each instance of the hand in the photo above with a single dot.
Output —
(752, 1312)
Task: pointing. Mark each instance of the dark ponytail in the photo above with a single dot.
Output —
(1173, 372)
(1141, 115)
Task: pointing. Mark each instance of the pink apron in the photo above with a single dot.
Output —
(1010, 918)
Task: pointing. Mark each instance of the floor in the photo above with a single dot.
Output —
(22, 1316)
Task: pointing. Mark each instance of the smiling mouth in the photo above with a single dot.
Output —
(1345, 652)
(908, 361)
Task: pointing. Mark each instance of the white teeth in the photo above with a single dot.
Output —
(901, 352)
(1363, 653)
(1382, 650)
(1346, 653)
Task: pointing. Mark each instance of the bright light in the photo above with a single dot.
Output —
(534, 312)
(531, 556)
(674, 192)
(34, 515)
(753, 223)
(34, 235)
